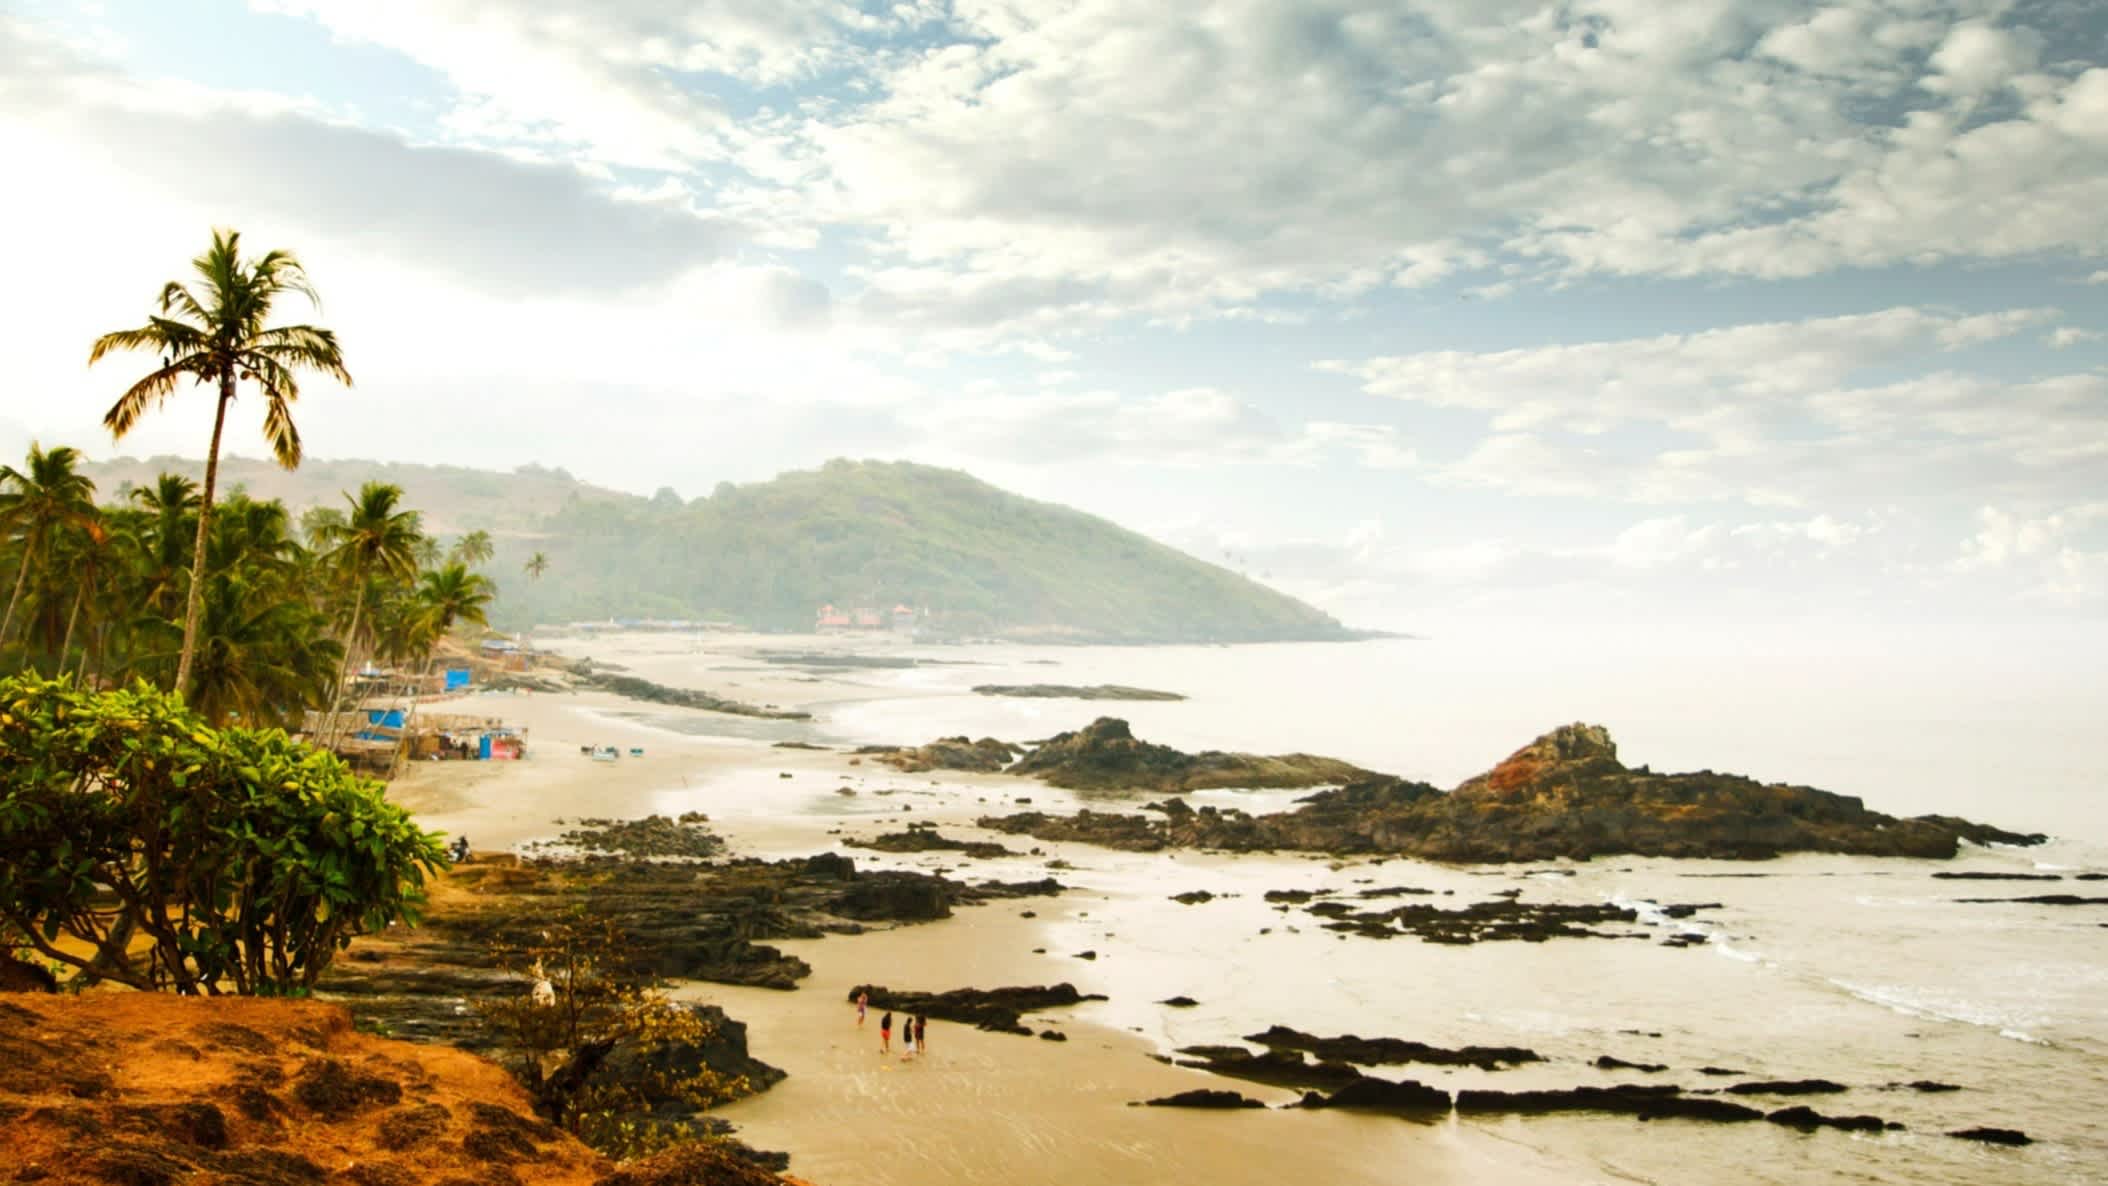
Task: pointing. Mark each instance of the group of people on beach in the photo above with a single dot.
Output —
(914, 1031)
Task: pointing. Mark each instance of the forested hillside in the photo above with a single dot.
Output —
(979, 560)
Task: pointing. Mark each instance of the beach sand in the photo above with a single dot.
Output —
(984, 1107)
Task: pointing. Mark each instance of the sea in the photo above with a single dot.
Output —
(1868, 972)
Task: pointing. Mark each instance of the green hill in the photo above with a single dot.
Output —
(877, 534)
(767, 555)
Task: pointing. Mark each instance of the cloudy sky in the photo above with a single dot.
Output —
(1431, 311)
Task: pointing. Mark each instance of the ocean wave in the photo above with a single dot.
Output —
(1719, 943)
(1921, 1005)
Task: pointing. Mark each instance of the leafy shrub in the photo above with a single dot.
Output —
(606, 1054)
(139, 845)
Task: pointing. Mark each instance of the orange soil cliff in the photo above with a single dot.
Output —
(137, 1089)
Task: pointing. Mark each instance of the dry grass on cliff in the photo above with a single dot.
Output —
(140, 1090)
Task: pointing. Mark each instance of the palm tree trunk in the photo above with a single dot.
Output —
(195, 604)
(71, 618)
(351, 640)
(21, 578)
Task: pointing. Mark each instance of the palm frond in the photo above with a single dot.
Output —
(146, 393)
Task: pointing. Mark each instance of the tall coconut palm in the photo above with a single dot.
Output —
(452, 595)
(217, 337)
(473, 549)
(536, 565)
(36, 505)
(376, 539)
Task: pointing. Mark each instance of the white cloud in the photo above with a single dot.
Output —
(2065, 337)
(1200, 427)
(1772, 414)
(1027, 164)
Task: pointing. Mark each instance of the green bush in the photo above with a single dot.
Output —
(139, 845)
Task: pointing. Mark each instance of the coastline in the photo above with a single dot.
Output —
(984, 1105)
(1012, 1108)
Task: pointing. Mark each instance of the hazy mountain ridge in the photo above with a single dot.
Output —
(878, 534)
(978, 559)
(452, 498)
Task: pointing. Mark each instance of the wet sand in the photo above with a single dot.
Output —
(984, 1107)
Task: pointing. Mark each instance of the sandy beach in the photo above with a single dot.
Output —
(983, 1106)
(1812, 965)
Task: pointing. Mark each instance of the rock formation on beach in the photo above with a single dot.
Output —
(142, 1088)
(986, 756)
(1106, 756)
(1565, 794)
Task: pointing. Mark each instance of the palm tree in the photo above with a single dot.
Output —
(473, 549)
(220, 341)
(171, 502)
(44, 501)
(375, 539)
(454, 594)
(536, 565)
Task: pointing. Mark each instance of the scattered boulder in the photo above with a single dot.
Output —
(1203, 1098)
(1605, 1062)
(1407, 1098)
(927, 839)
(993, 1009)
(1645, 1101)
(1808, 1120)
(1786, 1087)
(1382, 1051)
(1106, 756)
(986, 756)
(1279, 1068)
(1994, 1136)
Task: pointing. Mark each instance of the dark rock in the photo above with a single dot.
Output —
(1383, 1095)
(994, 1009)
(1927, 1086)
(986, 756)
(1720, 1071)
(645, 690)
(1786, 1087)
(1203, 1098)
(1605, 1062)
(1193, 897)
(1086, 955)
(830, 866)
(1281, 1068)
(639, 1069)
(1381, 1051)
(1564, 795)
(1052, 1036)
(1105, 755)
(1646, 1101)
(1179, 1002)
(1993, 1136)
(1808, 1120)
(923, 839)
(2044, 900)
(1976, 876)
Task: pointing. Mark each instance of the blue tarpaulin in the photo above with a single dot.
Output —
(456, 678)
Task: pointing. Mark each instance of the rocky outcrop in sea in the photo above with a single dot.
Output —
(1565, 794)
